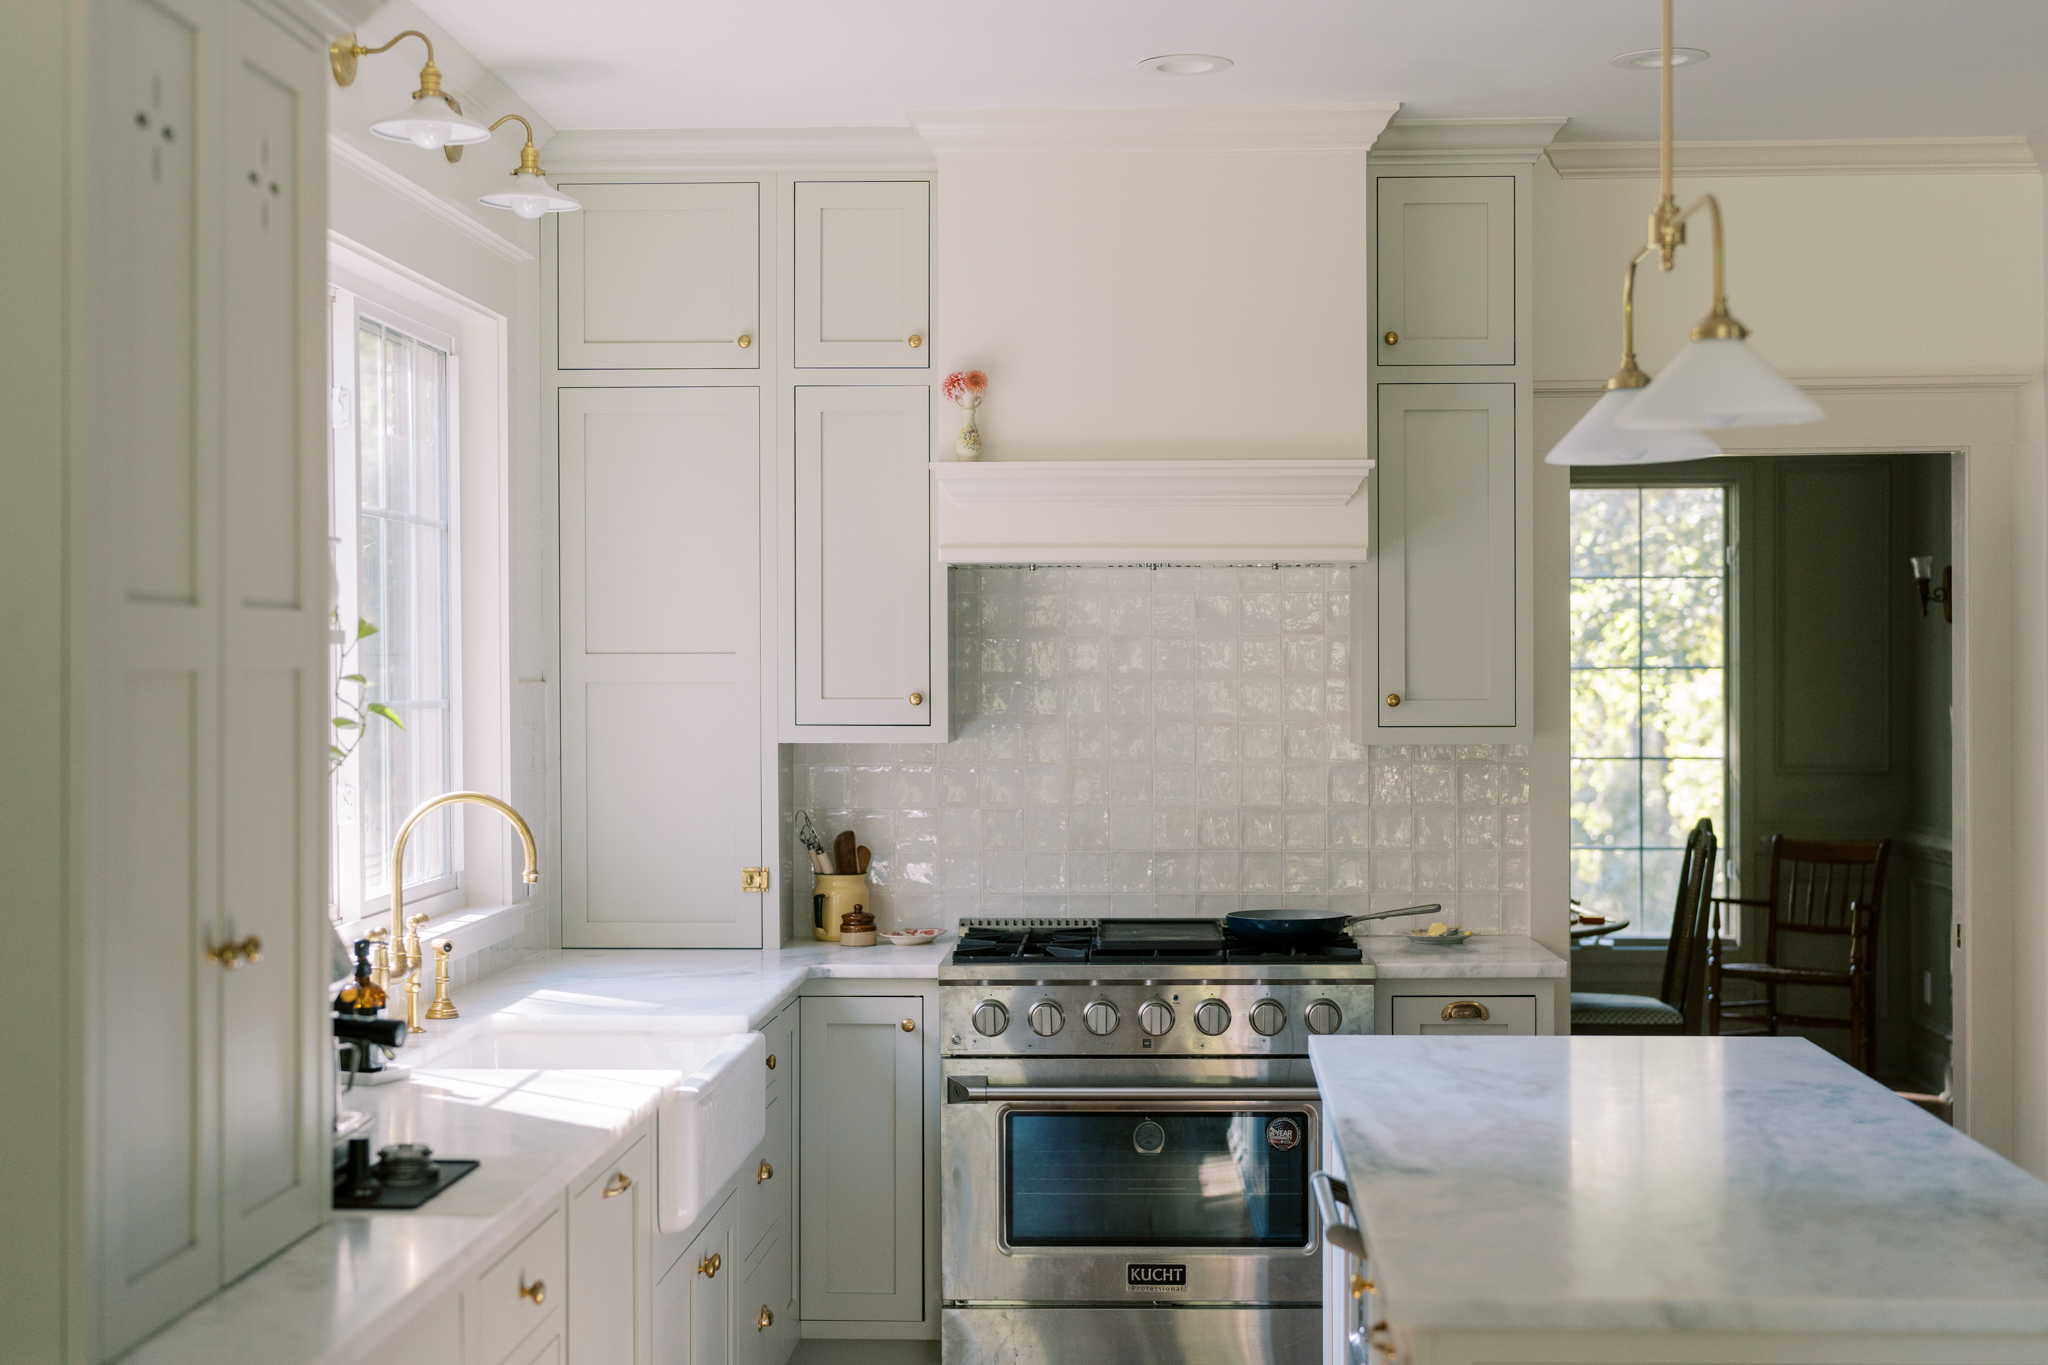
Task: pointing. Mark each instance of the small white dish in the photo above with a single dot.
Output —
(908, 938)
(1449, 939)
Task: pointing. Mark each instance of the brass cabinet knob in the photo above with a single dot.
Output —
(1465, 1009)
(745, 341)
(910, 1026)
(766, 1172)
(915, 341)
(537, 1291)
(1393, 698)
(771, 1061)
(917, 699)
(233, 955)
(1361, 1286)
(765, 1321)
(1393, 338)
(708, 1267)
(618, 1184)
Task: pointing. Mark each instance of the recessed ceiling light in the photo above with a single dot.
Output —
(1651, 59)
(1187, 64)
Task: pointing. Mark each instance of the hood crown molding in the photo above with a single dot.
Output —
(1270, 128)
(1841, 156)
(631, 151)
(1437, 141)
(439, 207)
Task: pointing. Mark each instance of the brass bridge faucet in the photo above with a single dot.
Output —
(404, 947)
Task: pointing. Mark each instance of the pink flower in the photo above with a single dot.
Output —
(964, 382)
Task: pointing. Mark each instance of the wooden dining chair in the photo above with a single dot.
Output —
(1830, 890)
(1679, 1007)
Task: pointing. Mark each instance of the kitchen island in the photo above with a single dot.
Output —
(1667, 1199)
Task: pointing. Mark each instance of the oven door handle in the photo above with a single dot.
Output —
(977, 1090)
(1330, 1192)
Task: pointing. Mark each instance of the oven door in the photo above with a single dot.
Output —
(1130, 1183)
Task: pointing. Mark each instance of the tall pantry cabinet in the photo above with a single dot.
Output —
(740, 420)
(168, 485)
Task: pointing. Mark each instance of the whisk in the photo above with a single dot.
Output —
(807, 835)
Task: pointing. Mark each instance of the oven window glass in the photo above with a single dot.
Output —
(1156, 1179)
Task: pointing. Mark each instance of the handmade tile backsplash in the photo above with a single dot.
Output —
(1168, 742)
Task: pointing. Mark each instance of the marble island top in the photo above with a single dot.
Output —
(1672, 1184)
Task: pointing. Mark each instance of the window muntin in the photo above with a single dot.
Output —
(1649, 736)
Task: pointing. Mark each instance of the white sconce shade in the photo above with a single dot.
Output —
(432, 122)
(1598, 440)
(1719, 382)
(530, 197)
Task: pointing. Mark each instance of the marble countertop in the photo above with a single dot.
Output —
(1487, 955)
(1687, 1184)
(336, 1292)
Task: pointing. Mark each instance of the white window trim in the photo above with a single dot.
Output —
(486, 851)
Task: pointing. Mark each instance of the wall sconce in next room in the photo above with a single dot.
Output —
(1923, 574)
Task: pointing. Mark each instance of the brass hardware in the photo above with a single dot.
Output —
(1361, 1286)
(708, 1267)
(771, 1061)
(915, 341)
(413, 957)
(753, 879)
(745, 341)
(618, 1184)
(766, 1173)
(537, 1291)
(917, 699)
(397, 931)
(453, 151)
(529, 155)
(343, 53)
(765, 1321)
(233, 955)
(443, 1007)
(412, 1004)
(1381, 1337)
(1393, 698)
(1465, 1009)
(910, 1026)
(1393, 338)
(380, 959)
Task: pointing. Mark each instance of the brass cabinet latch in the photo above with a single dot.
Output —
(753, 879)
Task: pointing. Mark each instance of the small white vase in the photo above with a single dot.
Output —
(968, 447)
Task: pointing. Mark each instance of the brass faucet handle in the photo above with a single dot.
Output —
(413, 956)
(443, 1007)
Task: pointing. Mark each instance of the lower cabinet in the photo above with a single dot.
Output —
(693, 1301)
(544, 1347)
(610, 1224)
(1512, 1015)
(520, 1290)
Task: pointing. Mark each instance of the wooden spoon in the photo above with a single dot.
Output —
(842, 853)
(861, 856)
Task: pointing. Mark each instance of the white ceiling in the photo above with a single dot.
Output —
(1780, 68)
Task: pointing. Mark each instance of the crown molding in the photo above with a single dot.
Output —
(1439, 141)
(1119, 132)
(639, 151)
(1843, 156)
(439, 207)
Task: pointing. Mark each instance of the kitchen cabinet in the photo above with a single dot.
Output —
(610, 1226)
(1509, 1015)
(1446, 269)
(1449, 549)
(861, 1211)
(693, 1303)
(659, 277)
(863, 274)
(660, 629)
(527, 1284)
(863, 583)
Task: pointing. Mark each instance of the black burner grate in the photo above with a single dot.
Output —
(1153, 942)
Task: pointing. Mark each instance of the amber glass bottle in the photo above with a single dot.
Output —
(361, 996)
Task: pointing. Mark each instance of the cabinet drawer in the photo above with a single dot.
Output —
(764, 1202)
(766, 1312)
(781, 1035)
(544, 1347)
(1502, 1014)
(521, 1289)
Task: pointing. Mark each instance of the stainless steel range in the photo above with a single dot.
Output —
(1129, 1130)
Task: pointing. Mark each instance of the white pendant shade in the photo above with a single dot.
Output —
(530, 197)
(1597, 440)
(430, 123)
(1719, 383)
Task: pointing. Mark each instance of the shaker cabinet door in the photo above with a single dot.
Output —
(1445, 553)
(1446, 278)
(863, 274)
(610, 1223)
(863, 577)
(659, 277)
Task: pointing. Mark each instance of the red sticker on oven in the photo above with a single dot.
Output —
(1283, 1135)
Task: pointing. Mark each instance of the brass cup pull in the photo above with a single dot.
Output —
(1465, 1009)
(765, 1321)
(915, 341)
(708, 1267)
(1393, 698)
(618, 1184)
(766, 1172)
(771, 1061)
(745, 341)
(233, 955)
(537, 1291)
(1393, 338)
(917, 699)
(910, 1026)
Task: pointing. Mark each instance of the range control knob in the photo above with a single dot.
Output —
(1322, 1017)
(990, 1019)
(1268, 1018)
(1101, 1018)
(1155, 1017)
(1048, 1018)
(1212, 1017)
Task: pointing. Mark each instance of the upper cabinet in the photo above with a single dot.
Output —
(660, 277)
(1446, 270)
(863, 274)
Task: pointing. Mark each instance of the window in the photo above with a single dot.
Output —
(1649, 736)
(395, 555)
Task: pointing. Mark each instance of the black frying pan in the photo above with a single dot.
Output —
(1282, 925)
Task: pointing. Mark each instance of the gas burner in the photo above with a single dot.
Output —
(1145, 943)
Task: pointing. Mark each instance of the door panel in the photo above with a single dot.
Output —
(1447, 270)
(863, 273)
(660, 277)
(610, 1318)
(661, 712)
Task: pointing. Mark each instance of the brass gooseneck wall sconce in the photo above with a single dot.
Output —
(434, 119)
(1717, 381)
(530, 195)
(1923, 574)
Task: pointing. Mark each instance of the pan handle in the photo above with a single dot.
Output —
(1393, 914)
